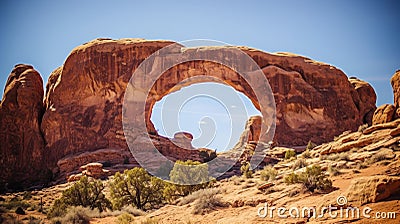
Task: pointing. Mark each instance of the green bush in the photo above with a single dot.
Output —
(246, 171)
(300, 163)
(268, 173)
(204, 200)
(58, 209)
(313, 178)
(291, 178)
(189, 172)
(125, 218)
(150, 221)
(306, 154)
(290, 154)
(182, 175)
(379, 156)
(136, 187)
(85, 193)
(310, 145)
(14, 203)
(133, 211)
(362, 127)
(333, 171)
(76, 215)
(209, 192)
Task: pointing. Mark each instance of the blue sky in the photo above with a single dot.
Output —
(359, 37)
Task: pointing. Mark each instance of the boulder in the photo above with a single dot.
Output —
(94, 170)
(183, 140)
(395, 81)
(364, 190)
(383, 114)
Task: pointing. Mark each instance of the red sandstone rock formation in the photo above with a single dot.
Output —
(387, 112)
(22, 145)
(383, 114)
(83, 102)
(395, 81)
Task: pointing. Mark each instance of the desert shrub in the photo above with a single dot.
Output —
(204, 200)
(306, 154)
(246, 171)
(268, 173)
(78, 215)
(86, 193)
(236, 180)
(27, 195)
(291, 178)
(33, 220)
(361, 165)
(183, 175)
(344, 156)
(376, 158)
(14, 203)
(209, 192)
(362, 127)
(125, 218)
(293, 192)
(333, 171)
(10, 219)
(332, 157)
(189, 172)
(150, 221)
(136, 187)
(58, 209)
(290, 154)
(133, 211)
(313, 178)
(300, 163)
(310, 145)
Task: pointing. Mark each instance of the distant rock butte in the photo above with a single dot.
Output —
(22, 156)
(83, 109)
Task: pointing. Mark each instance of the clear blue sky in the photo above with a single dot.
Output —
(359, 37)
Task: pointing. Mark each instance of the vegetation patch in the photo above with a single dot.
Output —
(313, 179)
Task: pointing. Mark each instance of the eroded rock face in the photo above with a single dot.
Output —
(251, 132)
(83, 97)
(21, 148)
(365, 99)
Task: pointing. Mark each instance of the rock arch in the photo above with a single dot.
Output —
(82, 121)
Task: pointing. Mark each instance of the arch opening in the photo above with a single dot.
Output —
(214, 122)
